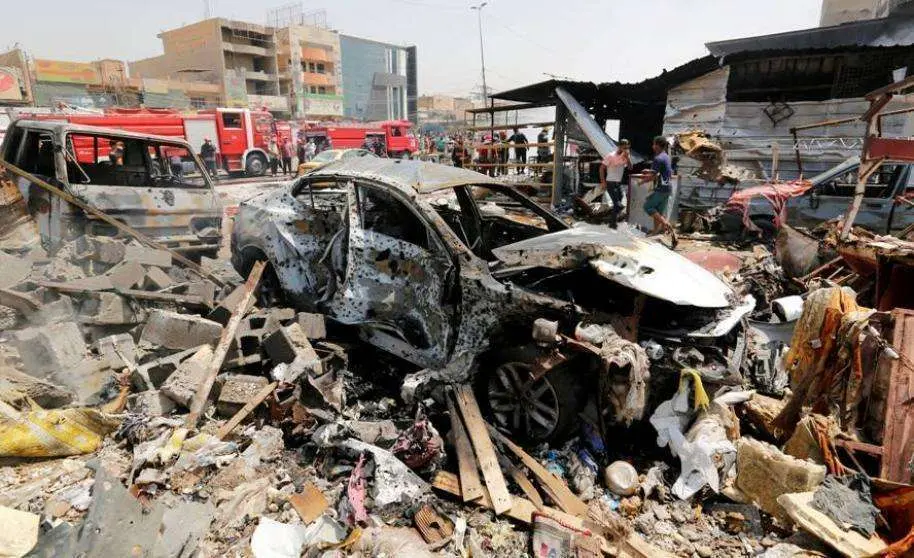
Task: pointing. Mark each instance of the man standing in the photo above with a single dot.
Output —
(116, 152)
(273, 151)
(208, 154)
(543, 152)
(660, 176)
(310, 150)
(286, 151)
(612, 170)
(520, 149)
(460, 155)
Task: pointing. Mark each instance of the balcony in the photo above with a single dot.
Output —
(318, 79)
(314, 54)
(240, 48)
(257, 76)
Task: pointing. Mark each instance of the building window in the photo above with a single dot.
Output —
(311, 68)
(198, 102)
(322, 90)
(320, 68)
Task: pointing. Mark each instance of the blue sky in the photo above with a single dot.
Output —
(594, 40)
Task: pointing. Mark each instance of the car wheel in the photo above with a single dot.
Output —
(256, 165)
(269, 291)
(545, 410)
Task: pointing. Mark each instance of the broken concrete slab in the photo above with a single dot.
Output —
(110, 309)
(152, 403)
(179, 331)
(13, 270)
(101, 249)
(113, 347)
(126, 275)
(147, 256)
(763, 473)
(182, 384)
(290, 346)
(183, 526)
(206, 290)
(154, 372)
(236, 391)
(19, 533)
(313, 325)
(48, 395)
(117, 523)
(156, 279)
(45, 350)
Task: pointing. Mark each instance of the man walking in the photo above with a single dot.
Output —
(543, 152)
(660, 176)
(273, 151)
(208, 154)
(612, 170)
(520, 150)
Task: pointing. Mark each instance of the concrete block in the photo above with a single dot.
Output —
(223, 312)
(287, 343)
(57, 311)
(155, 372)
(237, 390)
(109, 309)
(763, 473)
(152, 403)
(204, 289)
(313, 325)
(107, 250)
(179, 331)
(148, 256)
(49, 349)
(181, 386)
(126, 275)
(109, 347)
(156, 279)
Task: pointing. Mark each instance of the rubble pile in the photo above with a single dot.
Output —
(148, 409)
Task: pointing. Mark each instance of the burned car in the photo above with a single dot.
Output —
(467, 278)
(152, 183)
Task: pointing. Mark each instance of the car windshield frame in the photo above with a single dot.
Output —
(329, 156)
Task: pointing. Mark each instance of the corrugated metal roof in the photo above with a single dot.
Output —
(891, 31)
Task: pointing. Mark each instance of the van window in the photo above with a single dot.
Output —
(396, 132)
(231, 119)
(118, 161)
(37, 154)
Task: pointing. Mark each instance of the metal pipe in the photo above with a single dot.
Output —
(482, 53)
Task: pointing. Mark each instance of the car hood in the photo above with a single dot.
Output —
(625, 258)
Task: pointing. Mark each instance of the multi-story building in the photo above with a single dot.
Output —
(836, 12)
(310, 71)
(379, 79)
(238, 56)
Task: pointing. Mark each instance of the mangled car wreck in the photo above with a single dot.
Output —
(462, 276)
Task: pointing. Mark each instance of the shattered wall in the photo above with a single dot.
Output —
(748, 135)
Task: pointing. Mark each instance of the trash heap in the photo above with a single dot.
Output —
(148, 409)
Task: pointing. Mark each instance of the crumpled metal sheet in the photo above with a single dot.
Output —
(620, 256)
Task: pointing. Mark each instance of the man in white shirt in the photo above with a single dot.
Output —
(612, 170)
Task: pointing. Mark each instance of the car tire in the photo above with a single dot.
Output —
(269, 291)
(255, 165)
(547, 412)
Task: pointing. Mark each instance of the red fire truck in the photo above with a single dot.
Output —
(240, 135)
(396, 136)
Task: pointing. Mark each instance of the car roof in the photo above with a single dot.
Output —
(413, 176)
(56, 126)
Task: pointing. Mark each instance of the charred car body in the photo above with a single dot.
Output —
(140, 179)
(451, 271)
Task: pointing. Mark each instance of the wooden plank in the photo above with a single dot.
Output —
(310, 503)
(248, 408)
(564, 498)
(522, 481)
(633, 546)
(485, 451)
(898, 436)
(228, 337)
(119, 225)
(847, 543)
(470, 483)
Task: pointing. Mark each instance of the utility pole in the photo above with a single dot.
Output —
(482, 52)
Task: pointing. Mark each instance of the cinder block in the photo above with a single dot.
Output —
(152, 403)
(126, 275)
(313, 325)
(237, 390)
(109, 309)
(49, 349)
(179, 331)
(287, 343)
(181, 386)
(223, 312)
(148, 256)
(156, 279)
(109, 347)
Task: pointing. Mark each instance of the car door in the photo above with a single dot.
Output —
(832, 196)
(144, 189)
(398, 279)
